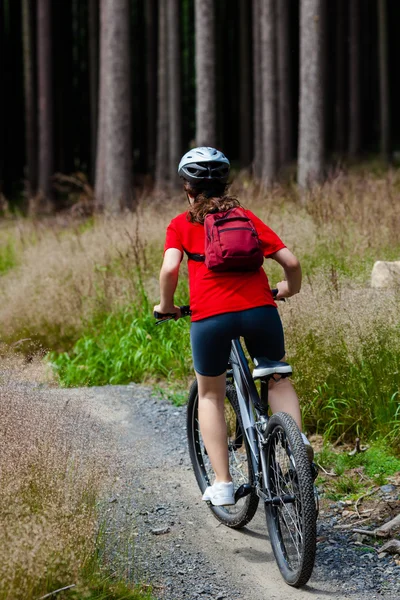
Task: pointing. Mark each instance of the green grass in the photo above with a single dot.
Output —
(374, 467)
(8, 256)
(376, 461)
(127, 346)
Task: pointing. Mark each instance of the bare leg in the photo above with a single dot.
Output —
(212, 423)
(282, 397)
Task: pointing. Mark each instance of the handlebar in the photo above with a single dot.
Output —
(186, 312)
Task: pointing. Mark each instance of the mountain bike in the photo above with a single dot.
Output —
(267, 461)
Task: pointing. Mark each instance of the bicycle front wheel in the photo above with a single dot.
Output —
(291, 517)
(240, 465)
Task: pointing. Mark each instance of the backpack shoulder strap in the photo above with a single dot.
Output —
(195, 257)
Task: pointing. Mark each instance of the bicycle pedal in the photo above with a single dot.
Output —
(244, 490)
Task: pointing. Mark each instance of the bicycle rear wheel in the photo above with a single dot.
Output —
(240, 465)
(291, 519)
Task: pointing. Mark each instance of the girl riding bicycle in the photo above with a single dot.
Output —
(225, 305)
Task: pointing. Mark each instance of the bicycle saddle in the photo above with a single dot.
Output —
(266, 368)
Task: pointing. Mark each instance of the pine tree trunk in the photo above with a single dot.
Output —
(30, 99)
(162, 155)
(101, 126)
(205, 73)
(384, 98)
(245, 125)
(3, 110)
(45, 108)
(151, 82)
(257, 119)
(340, 41)
(269, 105)
(285, 118)
(118, 176)
(174, 91)
(93, 15)
(311, 128)
(354, 79)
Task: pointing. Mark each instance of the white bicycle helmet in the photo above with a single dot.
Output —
(204, 165)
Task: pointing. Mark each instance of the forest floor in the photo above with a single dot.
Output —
(158, 531)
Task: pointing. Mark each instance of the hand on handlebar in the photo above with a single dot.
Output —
(282, 291)
(176, 312)
(167, 312)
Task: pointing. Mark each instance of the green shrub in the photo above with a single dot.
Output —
(346, 359)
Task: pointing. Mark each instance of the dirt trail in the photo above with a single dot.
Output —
(169, 534)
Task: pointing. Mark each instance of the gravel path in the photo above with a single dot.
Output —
(159, 531)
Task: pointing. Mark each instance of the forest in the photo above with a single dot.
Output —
(111, 100)
(100, 99)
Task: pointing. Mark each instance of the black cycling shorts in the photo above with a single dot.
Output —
(211, 338)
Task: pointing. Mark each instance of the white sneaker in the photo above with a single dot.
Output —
(220, 494)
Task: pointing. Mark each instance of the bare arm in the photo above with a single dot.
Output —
(168, 281)
(292, 269)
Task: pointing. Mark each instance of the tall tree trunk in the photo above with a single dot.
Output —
(340, 99)
(174, 90)
(118, 175)
(354, 78)
(162, 155)
(101, 125)
(30, 99)
(285, 118)
(269, 106)
(3, 111)
(205, 73)
(311, 128)
(384, 98)
(257, 119)
(151, 82)
(45, 93)
(245, 125)
(93, 18)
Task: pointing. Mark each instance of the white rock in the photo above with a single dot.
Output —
(385, 274)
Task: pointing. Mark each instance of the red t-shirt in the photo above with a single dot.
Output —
(214, 293)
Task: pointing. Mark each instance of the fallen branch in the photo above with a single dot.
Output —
(67, 587)
(350, 525)
(326, 472)
(392, 546)
(365, 531)
(386, 529)
(375, 489)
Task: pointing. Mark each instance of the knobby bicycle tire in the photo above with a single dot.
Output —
(241, 513)
(291, 525)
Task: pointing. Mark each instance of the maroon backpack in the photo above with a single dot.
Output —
(231, 242)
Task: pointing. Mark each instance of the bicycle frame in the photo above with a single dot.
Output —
(248, 398)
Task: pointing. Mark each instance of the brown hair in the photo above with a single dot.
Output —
(213, 199)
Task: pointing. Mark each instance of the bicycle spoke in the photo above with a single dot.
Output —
(282, 475)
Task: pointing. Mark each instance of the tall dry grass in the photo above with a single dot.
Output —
(51, 469)
(68, 274)
(81, 281)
